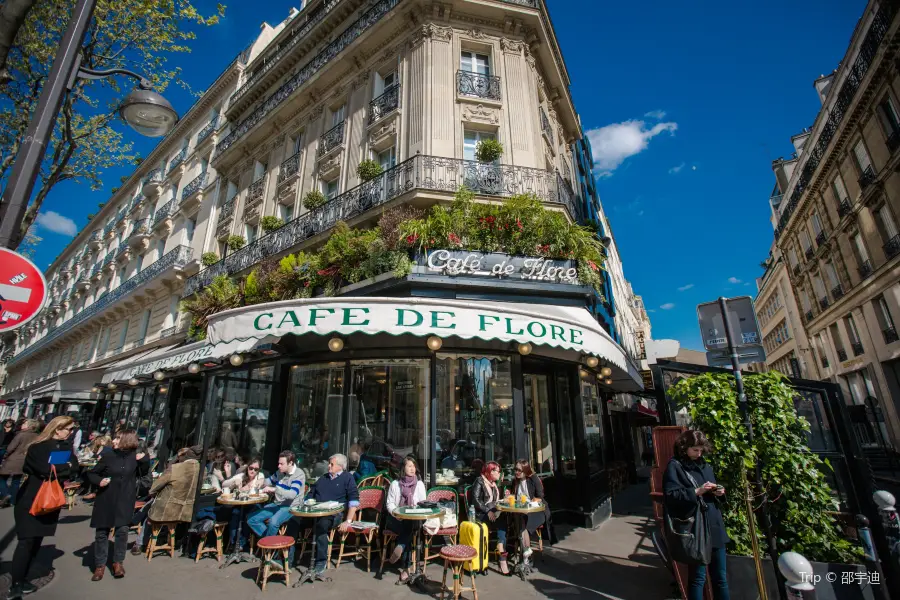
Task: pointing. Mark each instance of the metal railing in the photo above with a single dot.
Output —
(867, 178)
(893, 141)
(469, 83)
(823, 303)
(207, 131)
(837, 292)
(545, 123)
(227, 211)
(824, 362)
(312, 19)
(331, 139)
(892, 247)
(857, 348)
(109, 227)
(867, 52)
(844, 208)
(797, 268)
(290, 167)
(123, 247)
(94, 237)
(890, 335)
(313, 66)
(386, 103)
(164, 211)
(179, 158)
(174, 259)
(842, 355)
(865, 269)
(196, 184)
(419, 172)
(528, 3)
(820, 238)
(140, 227)
(809, 253)
(255, 192)
(153, 177)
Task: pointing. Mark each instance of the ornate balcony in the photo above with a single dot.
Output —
(94, 242)
(845, 208)
(837, 292)
(865, 269)
(857, 348)
(153, 181)
(176, 259)
(842, 355)
(477, 85)
(809, 252)
(123, 253)
(96, 272)
(190, 195)
(331, 139)
(84, 282)
(420, 172)
(823, 303)
(384, 104)
(824, 362)
(528, 3)
(179, 158)
(287, 182)
(139, 234)
(545, 124)
(893, 141)
(890, 335)
(867, 178)
(317, 63)
(226, 216)
(108, 230)
(892, 248)
(164, 213)
(289, 168)
(820, 238)
(797, 268)
(312, 19)
(135, 203)
(208, 130)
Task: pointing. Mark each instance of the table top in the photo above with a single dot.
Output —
(310, 511)
(519, 508)
(401, 514)
(88, 463)
(232, 501)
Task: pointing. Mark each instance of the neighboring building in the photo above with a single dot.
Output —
(836, 220)
(414, 86)
(691, 357)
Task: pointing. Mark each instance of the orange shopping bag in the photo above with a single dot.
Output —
(50, 497)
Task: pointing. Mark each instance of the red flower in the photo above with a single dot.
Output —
(454, 239)
(306, 283)
(593, 265)
(491, 220)
(519, 225)
(412, 238)
(328, 272)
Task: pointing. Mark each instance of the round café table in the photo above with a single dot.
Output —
(311, 512)
(237, 554)
(523, 567)
(403, 513)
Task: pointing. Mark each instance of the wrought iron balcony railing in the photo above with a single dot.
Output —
(121, 214)
(227, 211)
(857, 348)
(196, 184)
(865, 269)
(109, 227)
(823, 303)
(419, 172)
(384, 104)
(892, 248)
(331, 139)
(844, 208)
(867, 52)
(797, 268)
(255, 192)
(177, 258)
(315, 64)
(528, 3)
(95, 237)
(842, 355)
(179, 158)
(890, 335)
(123, 247)
(893, 141)
(299, 33)
(154, 177)
(867, 178)
(809, 252)
(164, 212)
(110, 256)
(477, 85)
(820, 238)
(836, 292)
(140, 227)
(207, 131)
(289, 167)
(545, 123)
(824, 362)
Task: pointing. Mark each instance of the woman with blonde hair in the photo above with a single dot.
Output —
(11, 469)
(49, 450)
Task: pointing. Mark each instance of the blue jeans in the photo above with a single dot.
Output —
(276, 514)
(10, 489)
(697, 578)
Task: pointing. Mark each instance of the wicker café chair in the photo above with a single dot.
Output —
(370, 499)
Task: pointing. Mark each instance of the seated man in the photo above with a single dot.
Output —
(286, 484)
(338, 485)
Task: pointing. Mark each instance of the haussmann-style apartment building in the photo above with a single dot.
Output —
(414, 85)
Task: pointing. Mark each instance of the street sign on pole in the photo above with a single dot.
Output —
(745, 332)
(23, 290)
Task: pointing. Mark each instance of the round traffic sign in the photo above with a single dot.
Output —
(23, 290)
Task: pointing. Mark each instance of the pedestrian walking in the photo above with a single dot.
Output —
(14, 461)
(45, 451)
(7, 433)
(116, 478)
(687, 480)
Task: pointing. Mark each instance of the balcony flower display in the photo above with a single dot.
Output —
(209, 258)
(314, 199)
(368, 170)
(236, 242)
(488, 151)
(271, 223)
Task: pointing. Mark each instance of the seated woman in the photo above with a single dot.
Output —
(485, 495)
(251, 477)
(406, 491)
(528, 484)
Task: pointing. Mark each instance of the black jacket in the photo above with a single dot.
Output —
(37, 467)
(114, 506)
(535, 491)
(681, 498)
(481, 499)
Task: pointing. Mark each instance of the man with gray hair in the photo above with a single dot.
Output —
(337, 485)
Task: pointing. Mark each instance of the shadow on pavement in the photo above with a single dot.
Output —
(74, 519)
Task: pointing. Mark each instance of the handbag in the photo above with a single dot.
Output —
(688, 539)
(50, 497)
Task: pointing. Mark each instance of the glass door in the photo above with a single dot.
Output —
(537, 420)
(313, 417)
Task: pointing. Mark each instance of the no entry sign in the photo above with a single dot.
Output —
(23, 290)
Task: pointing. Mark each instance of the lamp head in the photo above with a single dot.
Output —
(147, 112)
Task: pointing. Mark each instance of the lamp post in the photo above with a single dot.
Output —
(144, 110)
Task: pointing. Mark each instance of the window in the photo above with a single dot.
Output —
(804, 240)
(251, 231)
(887, 114)
(223, 249)
(831, 272)
(122, 276)
(840, 190)
(122, 335)
(160, 249)
(145, 324)
(792, 257)
(883, 314)
(837, 341)
(470, 141)
(231, 191)
(172, 317)
(139, 264)
(862, 156)
(818, 286)
(475, 63)
(337, 115)
(286, 212)
(330, 188)
(383, 82)
(189, 226)
(387, 158)
(816, 223)
(851, 330)
(204, 165)
(885, 223)
(259, 171)
(296, 143)
(859, 250)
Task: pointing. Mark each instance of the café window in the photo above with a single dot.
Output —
(593, 421)
(242, 410)
(314, 414)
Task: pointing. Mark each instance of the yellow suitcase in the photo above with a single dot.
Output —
(474, 534)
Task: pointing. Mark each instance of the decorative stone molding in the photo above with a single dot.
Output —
(382, 136)
(511, 46)
(330, 166)
(432, 31)
(288, 192)
(480, 113)
(316, 113)
(363, 79)
(476, 33)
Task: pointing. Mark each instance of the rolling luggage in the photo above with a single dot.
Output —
(475, 534)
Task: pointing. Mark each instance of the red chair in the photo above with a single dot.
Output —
(371, 499)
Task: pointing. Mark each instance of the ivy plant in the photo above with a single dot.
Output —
(801, 504)
(271, 223)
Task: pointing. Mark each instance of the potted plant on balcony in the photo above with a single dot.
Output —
(314, 199)
(368, 170)
(209, 258)
(488, 151)
(236, 242)
(271, 223)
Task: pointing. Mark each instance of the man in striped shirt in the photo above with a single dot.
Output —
(286, 484)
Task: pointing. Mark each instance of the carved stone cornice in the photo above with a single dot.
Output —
(511, 46)
(479, 113)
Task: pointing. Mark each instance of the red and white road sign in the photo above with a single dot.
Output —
(23, 290)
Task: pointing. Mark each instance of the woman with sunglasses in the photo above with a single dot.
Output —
(251, 477)
(527, 483)
(485, 496)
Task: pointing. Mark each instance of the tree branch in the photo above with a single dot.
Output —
(12, 16)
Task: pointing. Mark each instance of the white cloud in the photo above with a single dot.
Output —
(614, 143)
(56, 223)
(733, 280)
(667, 306)
(648, 310)
(694, 168)
(677, 169)
(659, 115)
(685, 288)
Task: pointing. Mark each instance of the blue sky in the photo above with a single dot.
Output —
(687, 103)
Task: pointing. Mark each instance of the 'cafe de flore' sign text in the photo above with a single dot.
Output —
(486, 264)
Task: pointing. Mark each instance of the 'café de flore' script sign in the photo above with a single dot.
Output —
(461, 263)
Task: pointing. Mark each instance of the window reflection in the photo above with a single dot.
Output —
(566, 446)
(242, 415)
(593, 421)
(315, 398)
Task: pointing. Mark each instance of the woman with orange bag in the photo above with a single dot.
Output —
(51, 449)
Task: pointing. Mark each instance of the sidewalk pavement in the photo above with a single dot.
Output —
(615, 561)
